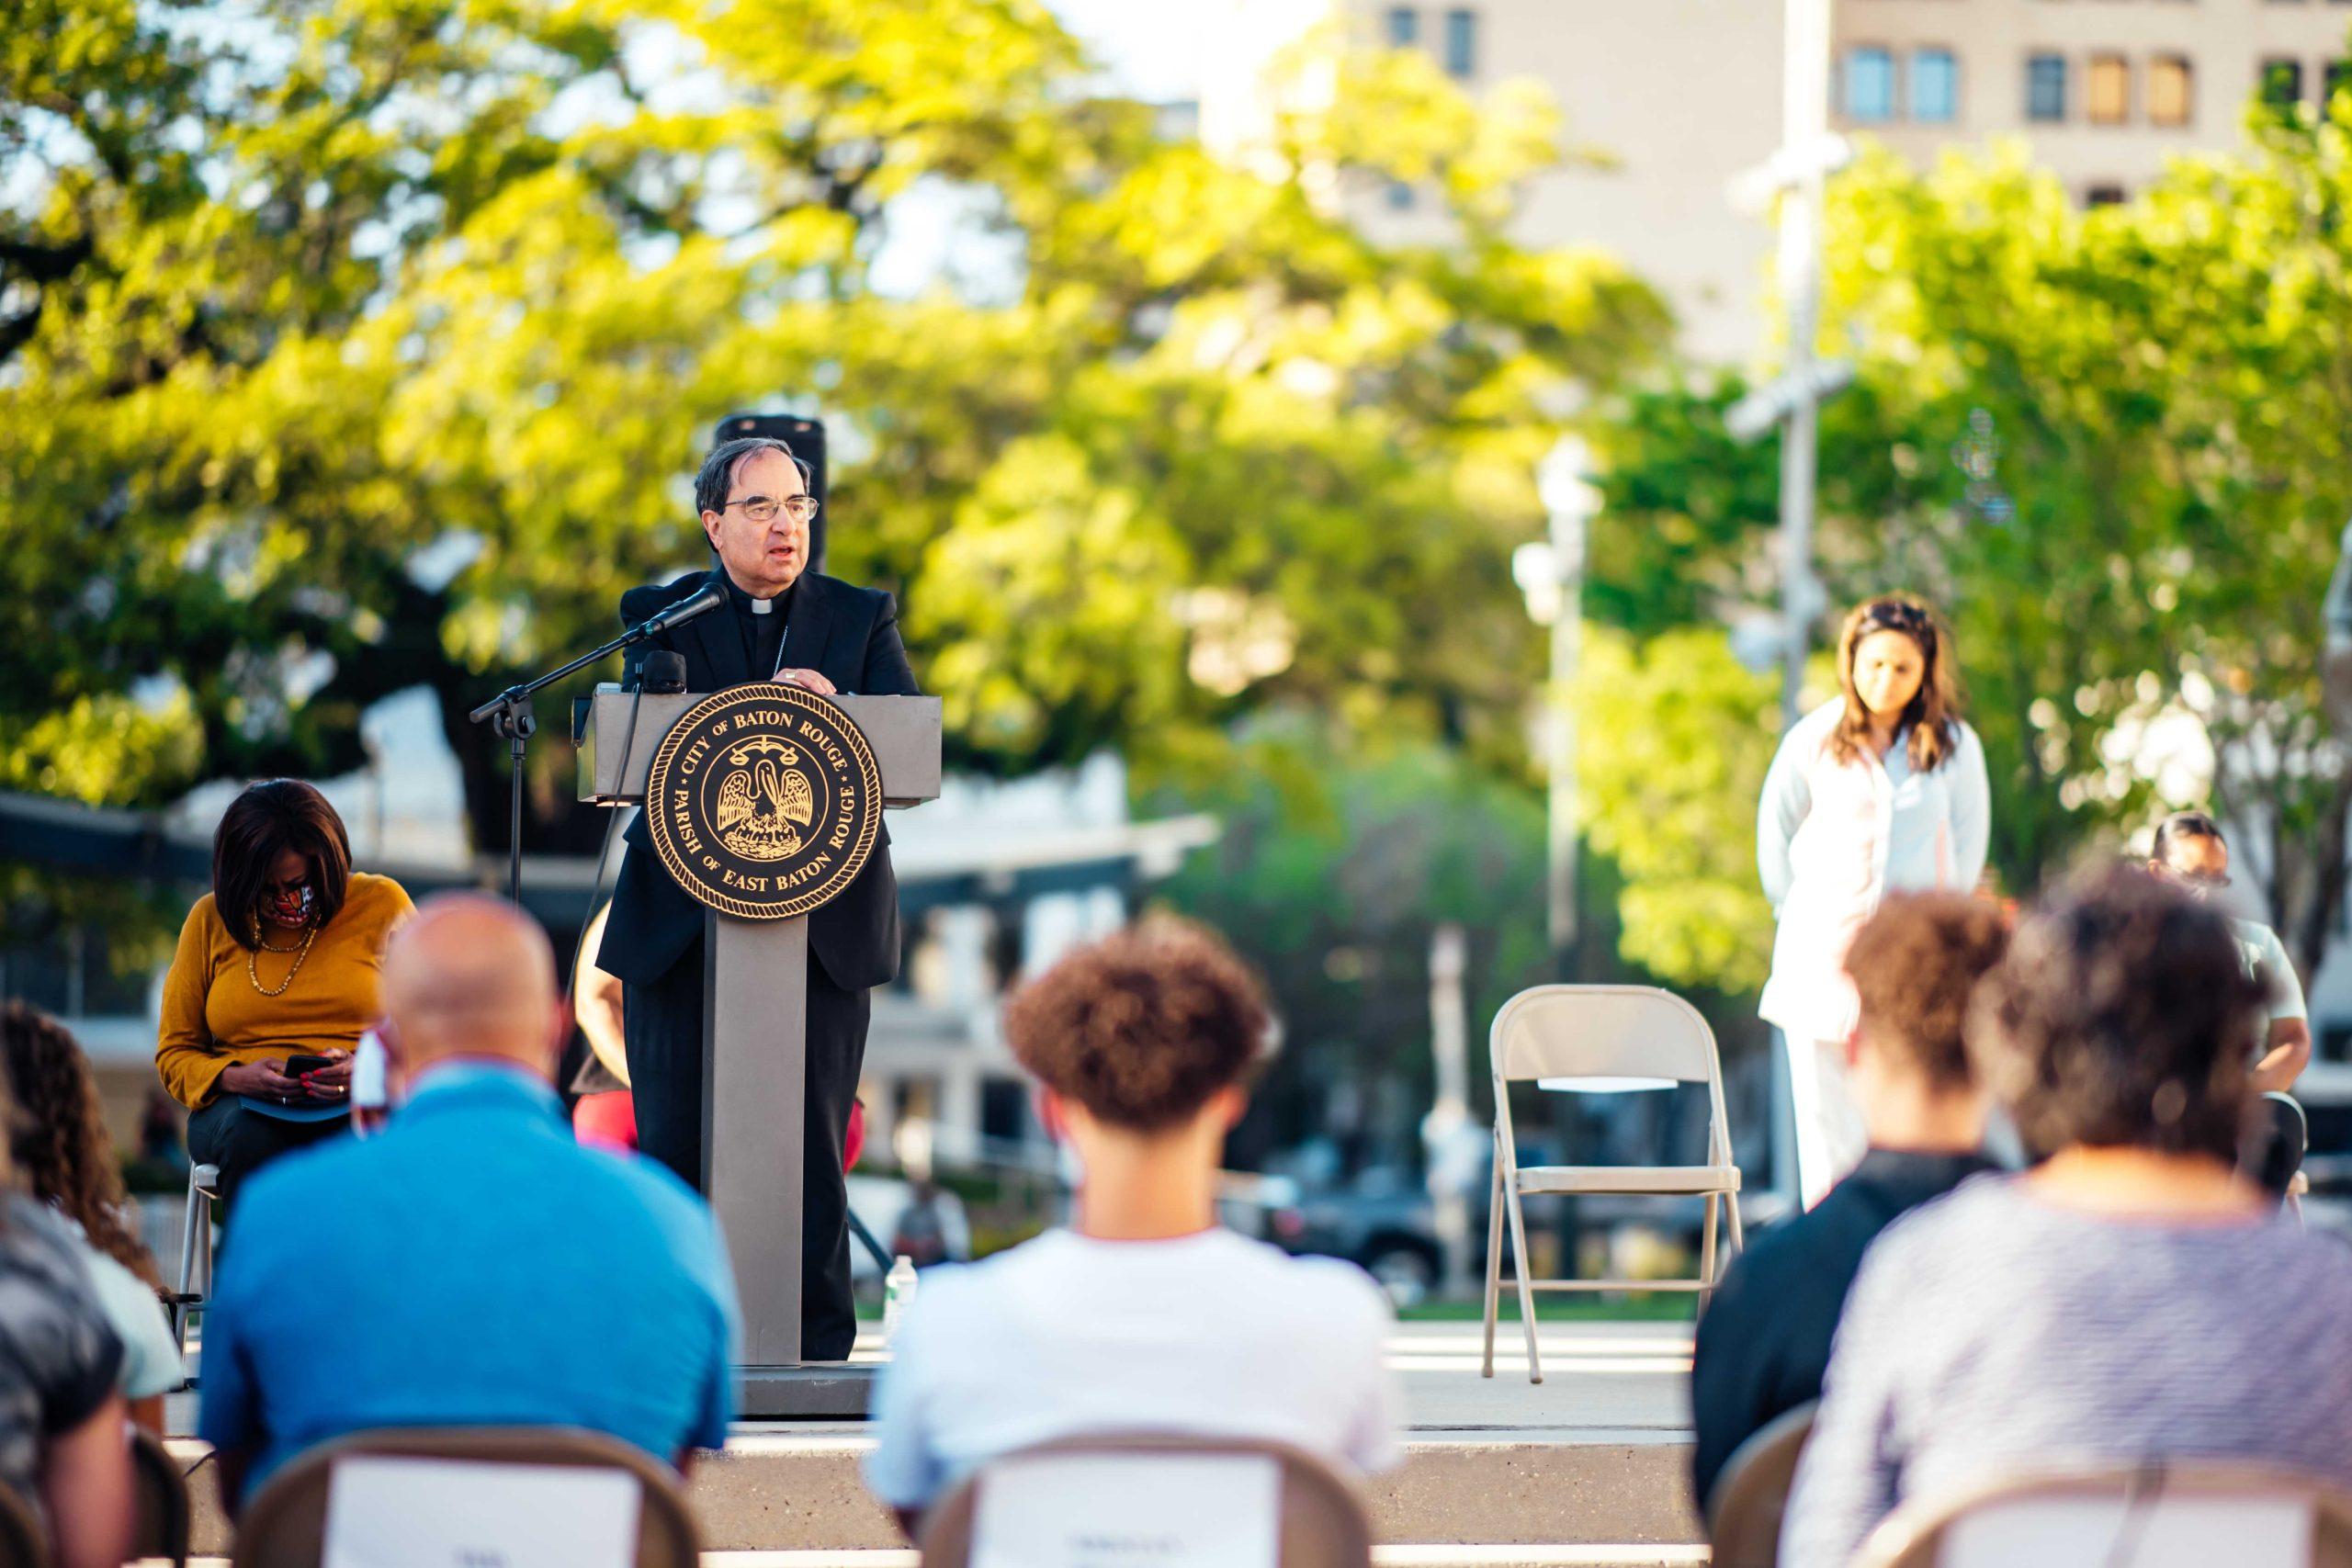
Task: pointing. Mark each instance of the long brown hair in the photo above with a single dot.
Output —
(61, 1151)
(1933, 714)
(270, 817)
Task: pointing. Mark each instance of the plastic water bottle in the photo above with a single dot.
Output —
(898, 1295)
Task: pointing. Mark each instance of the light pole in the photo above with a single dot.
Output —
(1550, 573)
(1798, 170)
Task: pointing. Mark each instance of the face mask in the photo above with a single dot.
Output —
(289, 908)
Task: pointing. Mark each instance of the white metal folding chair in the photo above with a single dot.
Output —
(1599, 1038)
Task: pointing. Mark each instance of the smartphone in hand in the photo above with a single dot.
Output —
(297, 1065)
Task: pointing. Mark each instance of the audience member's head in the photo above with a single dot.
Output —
(1152, 1034)
(2189, 850)
(281, 861)
(62, 1153)
(2122, 1017)
(1915, 963)
(470, 976)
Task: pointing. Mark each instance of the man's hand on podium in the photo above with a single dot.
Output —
(807, 680)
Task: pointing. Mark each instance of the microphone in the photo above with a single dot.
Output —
(705, 599)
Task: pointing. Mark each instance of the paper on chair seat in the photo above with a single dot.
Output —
(387, 1512)
(1168, 1510)
(2158, 1531)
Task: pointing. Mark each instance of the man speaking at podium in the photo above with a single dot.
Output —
(781, 622)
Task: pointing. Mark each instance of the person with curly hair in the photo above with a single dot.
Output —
(1143, 1314)
(65, 1159)
(1880, 790)
(2130, 1300)
(1764, 1342)
(61, 1408)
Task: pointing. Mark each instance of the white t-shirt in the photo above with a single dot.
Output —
(2266, 959)
(1212, 1334)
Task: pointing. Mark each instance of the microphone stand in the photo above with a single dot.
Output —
(509, 714)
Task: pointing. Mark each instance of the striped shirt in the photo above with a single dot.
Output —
(1994, 1331)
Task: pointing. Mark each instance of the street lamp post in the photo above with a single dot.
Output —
(1550, 573)
(1798, 171)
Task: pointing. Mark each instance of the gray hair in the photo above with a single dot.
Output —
(716, 476)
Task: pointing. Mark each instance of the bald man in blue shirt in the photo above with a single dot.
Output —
(472, 1264)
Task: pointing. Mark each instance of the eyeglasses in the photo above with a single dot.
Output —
(764, 508)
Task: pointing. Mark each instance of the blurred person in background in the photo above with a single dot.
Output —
(1763, 1342)
(2130, 1300)
(278, 961)
(605, 1111)
(1145, 1314)
(65, 1159)
(2189, 852)
(1880, 790)
(62, 1410)
(480, 1266)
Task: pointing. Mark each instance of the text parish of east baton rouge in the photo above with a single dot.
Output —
(763, 801)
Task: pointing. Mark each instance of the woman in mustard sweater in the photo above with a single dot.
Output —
(278, 961)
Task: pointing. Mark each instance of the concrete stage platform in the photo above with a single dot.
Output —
(1588, 1469)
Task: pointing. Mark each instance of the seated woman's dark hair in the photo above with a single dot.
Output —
(60, 1144)
(2122, 1017)
(1142, 1027)
(264, 821)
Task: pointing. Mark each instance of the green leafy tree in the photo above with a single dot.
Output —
(2112, 444)
(357, 345)
(1341, 868)
(1676, 738)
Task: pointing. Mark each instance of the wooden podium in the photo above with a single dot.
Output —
(756, 980)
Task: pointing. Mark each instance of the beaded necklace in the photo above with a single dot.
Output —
(253, 959)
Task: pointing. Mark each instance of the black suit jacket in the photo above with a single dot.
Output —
(850, 636)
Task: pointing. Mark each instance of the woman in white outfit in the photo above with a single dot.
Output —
(1881, 790)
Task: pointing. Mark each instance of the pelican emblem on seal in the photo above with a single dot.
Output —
(765, 802)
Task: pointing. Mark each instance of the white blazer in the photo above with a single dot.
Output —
(1832, 839)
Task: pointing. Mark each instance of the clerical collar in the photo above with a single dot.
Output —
(747, 605)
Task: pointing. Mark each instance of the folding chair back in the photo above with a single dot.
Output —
(160, 1494)
(1751, 1494)
(1318, 1522)
(1602, 1031)
(2188, 1513)
(286, 1524)
(1601, 1037)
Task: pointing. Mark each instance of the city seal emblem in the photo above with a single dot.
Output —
(763, 801)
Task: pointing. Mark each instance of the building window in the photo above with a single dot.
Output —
(2045, 86)
(1935, 86)
(1400, 196)
(2170, 77)
(2103, 196)
(2282, 83)
(2109, 93)
(1461, 43)
(2339, 75)
(1870, 86)
(1404, 26)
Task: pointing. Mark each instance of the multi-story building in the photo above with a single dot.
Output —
(1682, 95)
